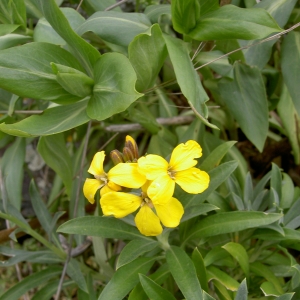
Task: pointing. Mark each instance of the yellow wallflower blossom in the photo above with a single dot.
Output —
(168, 211)
(179, 170)
(123, 174)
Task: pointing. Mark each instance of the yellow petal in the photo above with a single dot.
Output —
(170, 213)
(119, 204)
(148, 222)
(110, 187)
(161, 189)
(183, 156)
(127, 175)
(193, 180)
(90, 188)
(96, 167)
(152, 166)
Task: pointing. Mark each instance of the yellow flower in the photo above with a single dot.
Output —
(167, 211)
(179, 170)
(123, 174)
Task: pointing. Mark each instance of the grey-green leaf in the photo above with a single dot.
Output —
(246, 99)
(116, 27)
(232, 22)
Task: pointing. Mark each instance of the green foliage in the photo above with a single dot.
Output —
(225, 76)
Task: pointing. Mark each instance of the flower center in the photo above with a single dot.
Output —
(102, 178)
(171, 173)
(146, 200)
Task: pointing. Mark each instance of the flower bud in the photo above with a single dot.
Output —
(117, 157)
(131, 144)
(128, 155)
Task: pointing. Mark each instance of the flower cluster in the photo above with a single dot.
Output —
(154, 177)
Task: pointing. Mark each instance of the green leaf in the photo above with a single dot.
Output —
(50, 289)
(74, 272)
(232, 22)
(55, 153)
(287, 191)
(133, 250)
(13, 12)
(200, 269)
(290, 60)
(147, 53)
(159, 276)
(228, 222)
(12, 172)
(290, 120)
(114, 88)
(276, 179)
(116, 27)
(7, 28)
(153, 290)
(208, 5)
(30, 282)
(197, 210)
(215, 157)
(44, 32)
(82, 50)
(225, 279)
(268, 289)
(154, 12)
(40, 207)
(263, 271)
(73, 81)
(242, 292)
(217, 176)
(11, 40)
(185, 15)
(24, 75)
(101, 226)
(221, 66)
(280, 10)
(246, 99)
(179, 262)
(125, 279)
(187, 78)
(53, 120)
(287, 296)
(238, 252)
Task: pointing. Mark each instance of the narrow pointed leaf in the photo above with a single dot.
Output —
(290, 60)
(53, 120)
(101, 226)
(153, 290)
(133, 250)
(12, 174)
(238, 252)
(242, 292)
(125, 279)
(179, 262)
(231, 222)
(30, 282)
(187, 78)
(55, 153)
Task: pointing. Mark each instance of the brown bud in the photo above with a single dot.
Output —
(117, 157)
(131, 144)
(128, 155)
